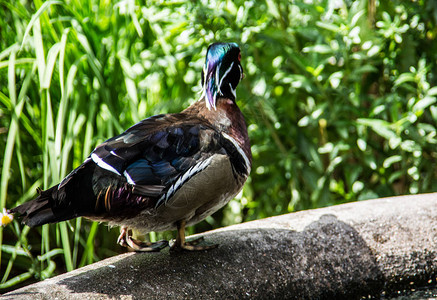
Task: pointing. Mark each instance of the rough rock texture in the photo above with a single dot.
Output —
(343, 252)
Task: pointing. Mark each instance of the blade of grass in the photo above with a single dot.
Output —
(35, 18)
(20, 61)
(18, 151)
(30, 192)
(7, 52)
(89, 130)
(51, 60)
(88, 255)
(45, 243)
(13, 128)
(66, 246)
(14, 251)
(76, 241)
(48, 272)
(50, 254)
(39, 51)
(51, 153)
(96, 67)
(16, 280)
(60, 119)
(19, 155)
(45, 21)
(20, 249)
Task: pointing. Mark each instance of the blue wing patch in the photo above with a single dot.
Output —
(141, 172)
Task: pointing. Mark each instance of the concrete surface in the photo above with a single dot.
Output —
(369, 248)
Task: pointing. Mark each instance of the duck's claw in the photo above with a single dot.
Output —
(126, 240)
(180, 244)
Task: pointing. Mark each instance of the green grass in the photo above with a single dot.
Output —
(340, 102)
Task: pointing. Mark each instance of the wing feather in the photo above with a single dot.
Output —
(157, 155)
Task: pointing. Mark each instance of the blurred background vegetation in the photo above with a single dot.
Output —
(339, 96)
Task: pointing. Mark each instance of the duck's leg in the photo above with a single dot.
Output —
(122, 237)
(126, 240)
(181, 244)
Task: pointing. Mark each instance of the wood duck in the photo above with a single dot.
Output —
(164, 173)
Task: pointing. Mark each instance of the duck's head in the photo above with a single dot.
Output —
(222, 72)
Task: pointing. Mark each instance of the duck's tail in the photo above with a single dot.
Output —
(38, 211)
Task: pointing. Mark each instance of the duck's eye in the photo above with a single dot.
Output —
(239, 56)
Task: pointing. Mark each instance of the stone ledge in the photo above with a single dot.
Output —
(343, 252)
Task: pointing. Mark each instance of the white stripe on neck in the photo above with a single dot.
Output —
(239, 149)
(224, 75)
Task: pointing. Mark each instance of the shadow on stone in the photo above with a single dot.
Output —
(327, 260)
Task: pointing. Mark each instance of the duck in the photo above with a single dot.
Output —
(166, 172)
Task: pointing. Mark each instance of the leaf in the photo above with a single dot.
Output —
(328, 26)
(364, 69)
(367, 195)
(391, 160)
(374, 50)
(323, 49)
(403, 78)
(335, 79)
(432, 91)
(381, 127)
(424, 103)
(362, 144)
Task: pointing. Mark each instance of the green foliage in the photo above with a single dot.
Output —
(340, 98)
